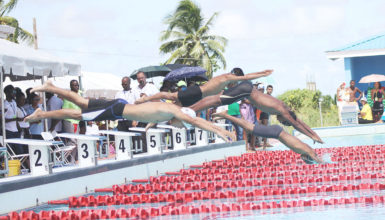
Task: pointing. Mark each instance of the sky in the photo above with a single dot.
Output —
(288, 36)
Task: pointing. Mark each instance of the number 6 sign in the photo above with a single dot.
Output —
(179, 138)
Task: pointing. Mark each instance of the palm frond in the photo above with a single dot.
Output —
(19, 34)
(165, 35)
(171, 46)
(5, 9)
(221, 39)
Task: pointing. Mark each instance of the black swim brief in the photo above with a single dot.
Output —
(236, 93)
(272, 131)
(100, 110)
(190, 96)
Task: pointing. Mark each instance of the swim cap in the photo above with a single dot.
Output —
(189, 112)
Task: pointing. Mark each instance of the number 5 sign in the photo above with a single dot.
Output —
(153, 142)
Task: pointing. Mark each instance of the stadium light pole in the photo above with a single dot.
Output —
(320, 110)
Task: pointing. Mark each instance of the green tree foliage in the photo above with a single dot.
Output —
(20, 34)
(306, 105)
(188, 40)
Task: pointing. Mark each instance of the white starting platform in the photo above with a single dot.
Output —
(123, 143)
(39, 155)
(86, 146)
(153, 138)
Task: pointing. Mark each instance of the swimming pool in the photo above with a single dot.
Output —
(265, 185)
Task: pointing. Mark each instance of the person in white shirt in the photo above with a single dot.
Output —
(127, 94)
(10, 115)
(54, 103)
(144, 89)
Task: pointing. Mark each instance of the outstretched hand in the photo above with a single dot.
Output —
(226, 136)
(149, 125)
(311, 160)
(140, 101)
(219, 115)
(267, 72)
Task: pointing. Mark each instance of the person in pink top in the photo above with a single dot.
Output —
(247, 113)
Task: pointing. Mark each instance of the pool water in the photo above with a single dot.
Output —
(289, 173)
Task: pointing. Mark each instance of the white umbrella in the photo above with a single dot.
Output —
(372, 78)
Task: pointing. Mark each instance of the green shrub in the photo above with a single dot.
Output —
(305, 104)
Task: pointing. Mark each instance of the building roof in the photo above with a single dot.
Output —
(371, 46)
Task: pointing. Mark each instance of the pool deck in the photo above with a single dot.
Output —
(71, 181)
(350, 130)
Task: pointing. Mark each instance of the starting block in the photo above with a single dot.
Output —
(179, 135)
(39, 157)
(216, 137)
(86, 146)
(201, 137)
(123, 143)
(153, 138)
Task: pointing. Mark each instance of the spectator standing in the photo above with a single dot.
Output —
(264, 117)
(54, 103)
(353, 91)
(247, 113)
(143, 89)
(233, 110)
(10, 115)
(128, 95)
(21, 114)
(377, 97)
(70, 125)
(36, 127)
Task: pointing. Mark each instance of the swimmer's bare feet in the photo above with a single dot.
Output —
(35, 116)
(43, 88)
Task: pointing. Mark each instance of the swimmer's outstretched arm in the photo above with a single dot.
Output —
(250, 76)
(288, 140)
(157, 96)
(298, 146)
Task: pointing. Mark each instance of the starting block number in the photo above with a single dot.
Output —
(179, 138)
(86, 153)
(39, 156)
(123, 147)
(153, 142)
(201, 137)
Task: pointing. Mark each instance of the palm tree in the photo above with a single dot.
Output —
(20, 34)
(189, 39)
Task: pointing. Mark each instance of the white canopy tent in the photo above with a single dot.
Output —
(18, 62)
(94, 84)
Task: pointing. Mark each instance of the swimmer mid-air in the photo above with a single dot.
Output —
(275, 131)
(195, 93)
(98, 110)
(264, 102)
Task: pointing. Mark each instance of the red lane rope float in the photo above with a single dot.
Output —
(192, 210)
(219, 185)
(75, 202)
